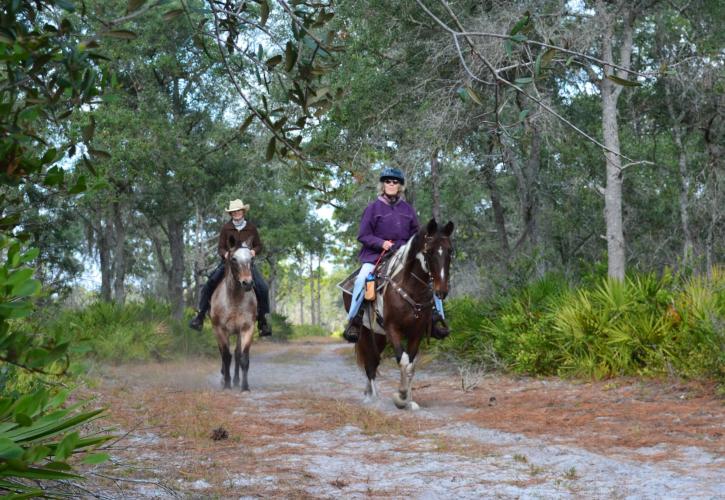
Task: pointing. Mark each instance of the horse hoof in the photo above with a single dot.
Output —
(245, 388)
(400, 403)
(413, 406)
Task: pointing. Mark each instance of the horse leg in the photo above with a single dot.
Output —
(237, 362)
(244, 345)
(413, 344)
(226, 364)
(403, 398)
(371, 345)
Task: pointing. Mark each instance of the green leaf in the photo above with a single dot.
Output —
(49, 156)
(66, 5)
(9, 449)
(19, 276)
(38, 473)
(274, 61)
(519, 38)
(509, 47)
(523, 114)
(120, 34)
(172, 14)
(54, 176)
(89, 130)
(290, 57)
(26, 289)
(100, 154)
(271, 146)
(66, 446)
(474, 95)
(521, 23)
(134, 5)
(23, 419)
(30, 255)
(79, 186)
(247, 122)
(547, 57)
(96, 458)
(623, 82)
(264, 14)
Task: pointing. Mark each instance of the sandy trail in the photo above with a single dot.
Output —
(304, 431)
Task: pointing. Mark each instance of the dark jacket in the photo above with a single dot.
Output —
(382, 221)
(229, 231)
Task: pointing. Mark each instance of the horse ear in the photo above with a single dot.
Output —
(432, 227)
(248, 242)
(448, 228)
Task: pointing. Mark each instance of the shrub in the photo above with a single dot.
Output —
(645, 325)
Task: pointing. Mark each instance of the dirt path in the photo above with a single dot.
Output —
(304, 431)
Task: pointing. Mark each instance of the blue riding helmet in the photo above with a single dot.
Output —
(392, 173)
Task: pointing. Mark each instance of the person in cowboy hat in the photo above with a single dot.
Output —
(387, 224)
(241, 230)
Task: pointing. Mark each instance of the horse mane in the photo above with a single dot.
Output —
(404, 257)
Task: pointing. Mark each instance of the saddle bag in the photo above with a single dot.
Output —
(370, 287)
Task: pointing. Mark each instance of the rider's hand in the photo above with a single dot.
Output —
(387, 245)
(253, 252)
(226, 254)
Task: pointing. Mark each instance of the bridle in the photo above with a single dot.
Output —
(416, 306)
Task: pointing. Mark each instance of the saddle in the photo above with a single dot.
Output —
(388, 267)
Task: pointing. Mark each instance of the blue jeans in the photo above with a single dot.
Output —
(358, 295)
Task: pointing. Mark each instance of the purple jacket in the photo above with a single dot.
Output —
(382, 221)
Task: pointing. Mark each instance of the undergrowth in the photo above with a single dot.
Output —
(646, 325)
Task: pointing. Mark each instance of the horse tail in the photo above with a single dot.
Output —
(360, 353)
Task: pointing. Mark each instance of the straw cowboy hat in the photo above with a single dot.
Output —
(237, 205)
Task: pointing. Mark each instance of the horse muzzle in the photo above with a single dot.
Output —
(246, 285)
(441, 294)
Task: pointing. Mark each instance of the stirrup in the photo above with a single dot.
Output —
(439, 328)
(352, 330)
(197, 323)
(264, 329)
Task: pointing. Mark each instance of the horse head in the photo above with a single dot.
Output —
(239, 262)
(437, 251)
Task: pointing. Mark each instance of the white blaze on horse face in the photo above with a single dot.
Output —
(242, 256)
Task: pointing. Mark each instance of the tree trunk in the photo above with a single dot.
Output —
(687, 244)
(312, 290)
(498, 212)
(318, 299)
(610, 92)
(104, 257)
(176, 270)
(714, 194)
(435, 185)
(119, 253)
(199, 258)
(272, 284)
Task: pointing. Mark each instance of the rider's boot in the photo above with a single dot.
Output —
(439, 328)
(352, 330)
(264, 329)
(197, 323)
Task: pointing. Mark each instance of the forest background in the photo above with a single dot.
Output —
(576, 145)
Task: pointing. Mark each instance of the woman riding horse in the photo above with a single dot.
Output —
(387, 224)
(233, 233)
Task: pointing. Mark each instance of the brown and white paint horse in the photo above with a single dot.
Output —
(408, 305)
(234, 311)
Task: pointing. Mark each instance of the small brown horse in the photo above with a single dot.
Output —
(234, 311)
(408, 301)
